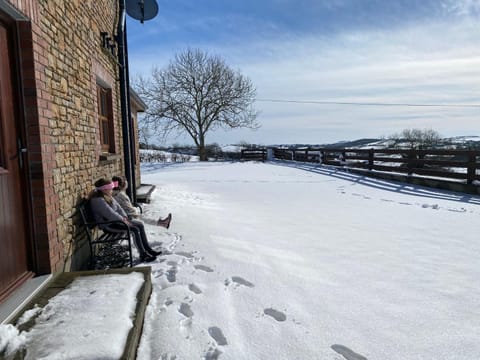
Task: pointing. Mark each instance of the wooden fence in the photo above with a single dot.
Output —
(447, 164)
(254, 154)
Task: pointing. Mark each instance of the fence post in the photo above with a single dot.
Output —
(411, 160)
(370, 159)
(270, 154)
(471, 167)
(321, 157)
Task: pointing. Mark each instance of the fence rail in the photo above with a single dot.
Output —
(254, 154)
(448, 164)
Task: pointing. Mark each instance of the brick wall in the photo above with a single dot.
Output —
(62, 61)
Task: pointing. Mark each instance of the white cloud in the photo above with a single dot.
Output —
(433, 63)
(462, 7)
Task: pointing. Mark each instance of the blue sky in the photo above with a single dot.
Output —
(323, 54)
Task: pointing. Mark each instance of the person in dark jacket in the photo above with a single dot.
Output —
(105, 208)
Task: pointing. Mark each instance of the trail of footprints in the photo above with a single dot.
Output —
(341, 189)
(219, 340)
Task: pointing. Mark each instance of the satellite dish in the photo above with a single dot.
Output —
(142, 9)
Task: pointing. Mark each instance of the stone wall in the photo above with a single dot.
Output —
(64, 60)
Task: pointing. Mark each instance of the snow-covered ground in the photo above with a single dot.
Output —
(286, 261)
(283, 262)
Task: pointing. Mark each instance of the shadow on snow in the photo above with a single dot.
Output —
(387, 185)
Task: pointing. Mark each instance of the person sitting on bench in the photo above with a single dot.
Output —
(105, 208)
(119, 193)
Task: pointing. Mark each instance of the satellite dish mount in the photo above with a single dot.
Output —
(142, 10)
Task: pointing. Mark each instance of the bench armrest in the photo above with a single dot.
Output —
(112, 222)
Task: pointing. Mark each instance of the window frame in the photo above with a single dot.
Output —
(105, 119)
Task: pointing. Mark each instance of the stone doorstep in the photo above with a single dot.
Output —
(60, 281)
(20, 296)
(144, 192)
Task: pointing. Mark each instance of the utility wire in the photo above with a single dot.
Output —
(367, 103)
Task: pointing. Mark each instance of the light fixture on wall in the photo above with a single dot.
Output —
(107, 42)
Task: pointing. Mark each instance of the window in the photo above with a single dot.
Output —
(104, 99)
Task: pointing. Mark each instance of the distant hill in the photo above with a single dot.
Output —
(233, 151)
(457, 142)
(355, 143)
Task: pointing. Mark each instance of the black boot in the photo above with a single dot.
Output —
(154, 252)
(147, 258)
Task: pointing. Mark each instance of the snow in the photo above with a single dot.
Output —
(463, 139)
(78, 322)
(10, 339)
(290, 261)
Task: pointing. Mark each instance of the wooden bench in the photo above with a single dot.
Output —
(99, 240)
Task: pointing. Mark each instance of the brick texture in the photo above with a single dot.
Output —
(62, 60)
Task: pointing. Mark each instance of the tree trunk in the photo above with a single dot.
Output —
(202, 152)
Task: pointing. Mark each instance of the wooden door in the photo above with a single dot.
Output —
(14, 264)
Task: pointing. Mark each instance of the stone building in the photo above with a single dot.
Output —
(62, 126)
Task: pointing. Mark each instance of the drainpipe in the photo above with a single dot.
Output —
(133, 157)
(125, 101)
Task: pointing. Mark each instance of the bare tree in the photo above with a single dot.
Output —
(416, 138)
(430, 138)
(144, 133)
(197, 93)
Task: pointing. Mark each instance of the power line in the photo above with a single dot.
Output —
(367, 103)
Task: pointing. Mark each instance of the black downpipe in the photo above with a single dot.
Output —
(125, 100)
(133, 157)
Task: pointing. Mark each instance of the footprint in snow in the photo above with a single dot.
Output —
(217, 335)
(237, 281)
(185, 310)
(157, 273)
(277, 315)
(347, 353)
(203, 268)
(184, 254)
(166, 304)
(194, 288)
(434, 207)
(172, 272)
(462, 210)
(212, 354)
